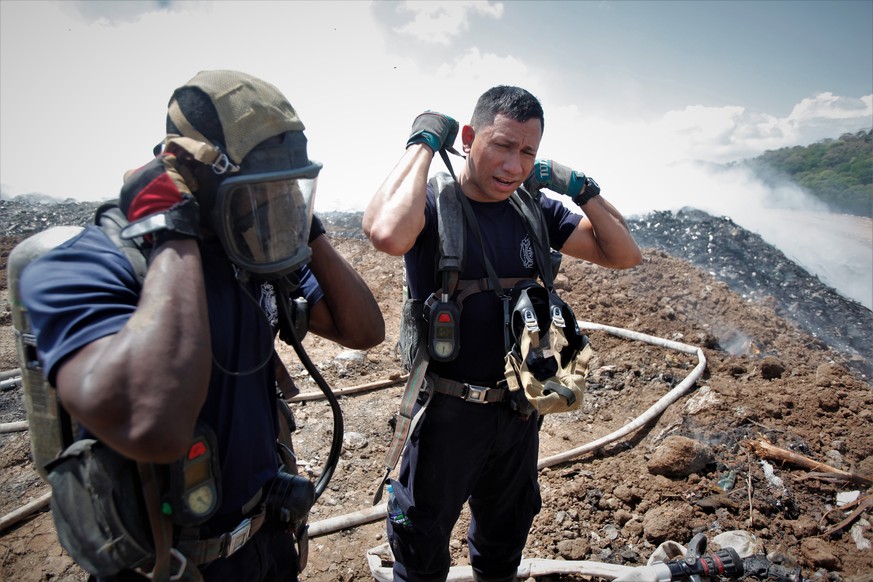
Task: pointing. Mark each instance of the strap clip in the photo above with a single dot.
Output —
(238, 537)
(475, 393)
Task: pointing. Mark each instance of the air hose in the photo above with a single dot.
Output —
(336, 445)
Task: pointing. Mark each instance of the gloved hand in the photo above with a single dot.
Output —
(562, 180)
(157, 202)
(433, 129)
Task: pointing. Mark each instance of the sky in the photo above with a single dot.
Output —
(634, 92)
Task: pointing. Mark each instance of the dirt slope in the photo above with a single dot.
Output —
(765, 378)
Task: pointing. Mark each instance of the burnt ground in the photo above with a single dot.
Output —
(788, 360)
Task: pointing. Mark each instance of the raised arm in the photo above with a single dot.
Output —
(140, 390)
(348, 314)
(395, 215)
(602, 236)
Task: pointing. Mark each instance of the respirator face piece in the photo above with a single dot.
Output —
(263, 219)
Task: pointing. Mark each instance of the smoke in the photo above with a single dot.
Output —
(689, 158)
(836, 248)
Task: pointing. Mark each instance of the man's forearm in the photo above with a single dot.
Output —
(616, 246)
(395, 216)
(355, 319)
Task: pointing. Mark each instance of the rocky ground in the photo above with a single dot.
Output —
(788, 362)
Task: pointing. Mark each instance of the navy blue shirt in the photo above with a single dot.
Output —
(509, 248)
(86, 289)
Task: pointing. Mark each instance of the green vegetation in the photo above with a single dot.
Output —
(838, 172)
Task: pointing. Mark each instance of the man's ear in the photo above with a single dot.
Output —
(467, 135)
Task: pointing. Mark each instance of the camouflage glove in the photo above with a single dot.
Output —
(158, 203)
(562, 180)
(433, 129)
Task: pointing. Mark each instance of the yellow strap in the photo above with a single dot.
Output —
(203, 152)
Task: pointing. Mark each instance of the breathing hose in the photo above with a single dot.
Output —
(336, 445)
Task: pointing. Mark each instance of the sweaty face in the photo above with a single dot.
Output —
(500, 157)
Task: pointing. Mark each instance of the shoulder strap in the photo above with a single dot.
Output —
(450, 222)
(111, 219)
(450, 226)
(528, 206)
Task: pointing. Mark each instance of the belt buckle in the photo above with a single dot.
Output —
(476, 393)
(239, 536)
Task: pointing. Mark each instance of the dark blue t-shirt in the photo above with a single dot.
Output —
(510, 251)
(86, 289)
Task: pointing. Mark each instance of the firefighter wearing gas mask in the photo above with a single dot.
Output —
(175, 376)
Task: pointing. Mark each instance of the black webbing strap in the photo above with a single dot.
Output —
(405, 420)
(539, 235)
(492, 274)
(162, 527)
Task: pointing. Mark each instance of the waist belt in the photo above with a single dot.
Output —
(470, 392)
(221, 546)
(205, 551)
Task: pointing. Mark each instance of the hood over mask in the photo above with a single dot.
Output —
(251, 139)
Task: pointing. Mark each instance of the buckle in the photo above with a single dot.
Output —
(476, 393)
(238, 537)
(174, 553)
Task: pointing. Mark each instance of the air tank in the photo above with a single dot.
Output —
(49, 427)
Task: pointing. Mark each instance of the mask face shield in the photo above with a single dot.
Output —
(263, 219)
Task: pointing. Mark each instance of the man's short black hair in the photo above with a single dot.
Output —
(513, 102)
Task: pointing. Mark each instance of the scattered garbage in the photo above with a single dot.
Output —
(770, 475)
(727, 482)
(845, 497)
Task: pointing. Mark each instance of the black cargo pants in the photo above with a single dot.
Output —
(461, 450)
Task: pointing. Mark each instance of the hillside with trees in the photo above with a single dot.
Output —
(839, 172)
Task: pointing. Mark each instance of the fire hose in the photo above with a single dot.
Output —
(695, 566)
(371, 514)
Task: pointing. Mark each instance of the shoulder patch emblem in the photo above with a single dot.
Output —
(268, 303)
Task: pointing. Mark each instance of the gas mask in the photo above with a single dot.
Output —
(262, 213)
(261, 210)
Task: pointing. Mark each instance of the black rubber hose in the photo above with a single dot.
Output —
(336, 445)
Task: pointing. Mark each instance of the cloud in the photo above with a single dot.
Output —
(725, 134)
(666, 163)
(441, 22)
(114, 13)
(827, 106)
(357, 94)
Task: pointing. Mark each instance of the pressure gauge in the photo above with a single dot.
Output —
(444, 331)
(194, 480)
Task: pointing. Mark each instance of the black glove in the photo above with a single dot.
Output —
(433, 129)
(316, 228)
(562, 180)
(158, 203)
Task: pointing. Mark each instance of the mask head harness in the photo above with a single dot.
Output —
(251, 138)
